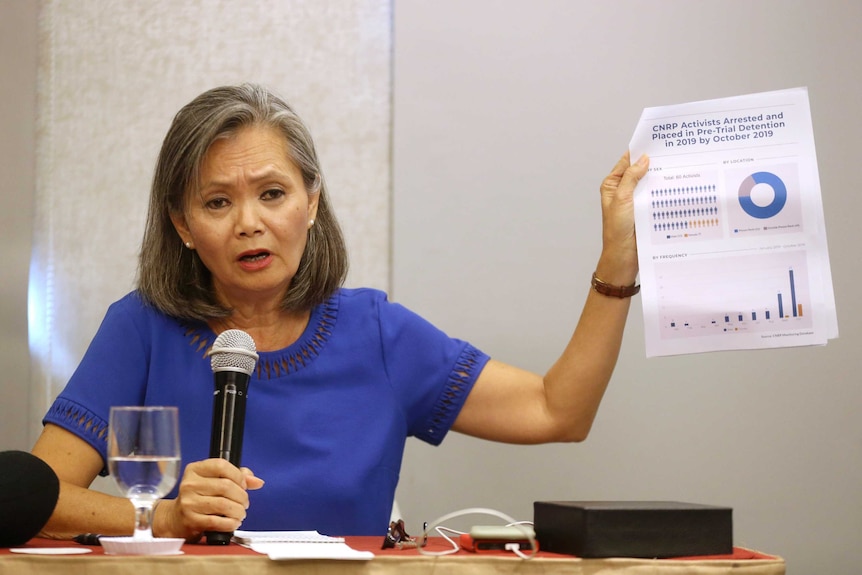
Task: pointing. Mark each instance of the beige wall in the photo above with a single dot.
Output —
(18, 57)
(507, 115)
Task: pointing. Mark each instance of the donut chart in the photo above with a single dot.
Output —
(769, 210)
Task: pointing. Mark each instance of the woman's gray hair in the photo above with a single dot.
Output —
(173, 278)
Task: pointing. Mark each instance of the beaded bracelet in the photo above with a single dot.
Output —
(612, 290)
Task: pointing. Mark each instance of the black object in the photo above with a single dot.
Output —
(645, 529)
(91, 539)
(29, 489)
(232, 358)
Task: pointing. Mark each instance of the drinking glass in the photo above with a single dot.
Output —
(144, 458)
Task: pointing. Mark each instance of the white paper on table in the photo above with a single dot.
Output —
(284, 551)
(731, 235)
(249, 537)
(283, 545)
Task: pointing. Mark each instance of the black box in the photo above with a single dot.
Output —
(646, 529)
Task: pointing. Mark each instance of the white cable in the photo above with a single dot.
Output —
(443, 533)
(514, 547)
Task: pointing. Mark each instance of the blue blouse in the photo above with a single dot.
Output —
(326, 419)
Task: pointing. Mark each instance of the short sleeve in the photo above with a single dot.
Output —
(113, 371)
(432, 373)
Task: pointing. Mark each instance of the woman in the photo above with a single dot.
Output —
(240, 234)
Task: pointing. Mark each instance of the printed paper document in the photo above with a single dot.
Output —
(730, 229)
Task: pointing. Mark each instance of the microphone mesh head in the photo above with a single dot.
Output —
(233, 350)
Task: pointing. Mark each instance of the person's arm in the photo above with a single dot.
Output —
(513, 405)
(79, 509)
(212, 494)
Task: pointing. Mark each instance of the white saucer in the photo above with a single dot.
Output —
(132, 546)
(52, 550)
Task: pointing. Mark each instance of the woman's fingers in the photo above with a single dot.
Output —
(212, 497)
(250, 480)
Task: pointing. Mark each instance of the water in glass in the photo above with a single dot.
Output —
(144, 457)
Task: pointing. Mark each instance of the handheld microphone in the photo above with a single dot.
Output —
(232, 359)
(29, 489)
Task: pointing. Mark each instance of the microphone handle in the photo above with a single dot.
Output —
(231, 390)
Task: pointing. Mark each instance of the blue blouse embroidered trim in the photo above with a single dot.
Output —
(449, 404)
(77, 419)
(276, 364)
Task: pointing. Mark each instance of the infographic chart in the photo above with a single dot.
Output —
(732, 296)
(688, 208)
(730, 229)
(764, 200)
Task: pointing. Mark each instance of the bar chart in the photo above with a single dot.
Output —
(724, 296)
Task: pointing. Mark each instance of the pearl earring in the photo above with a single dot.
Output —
(189, 245)
(310, 223)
